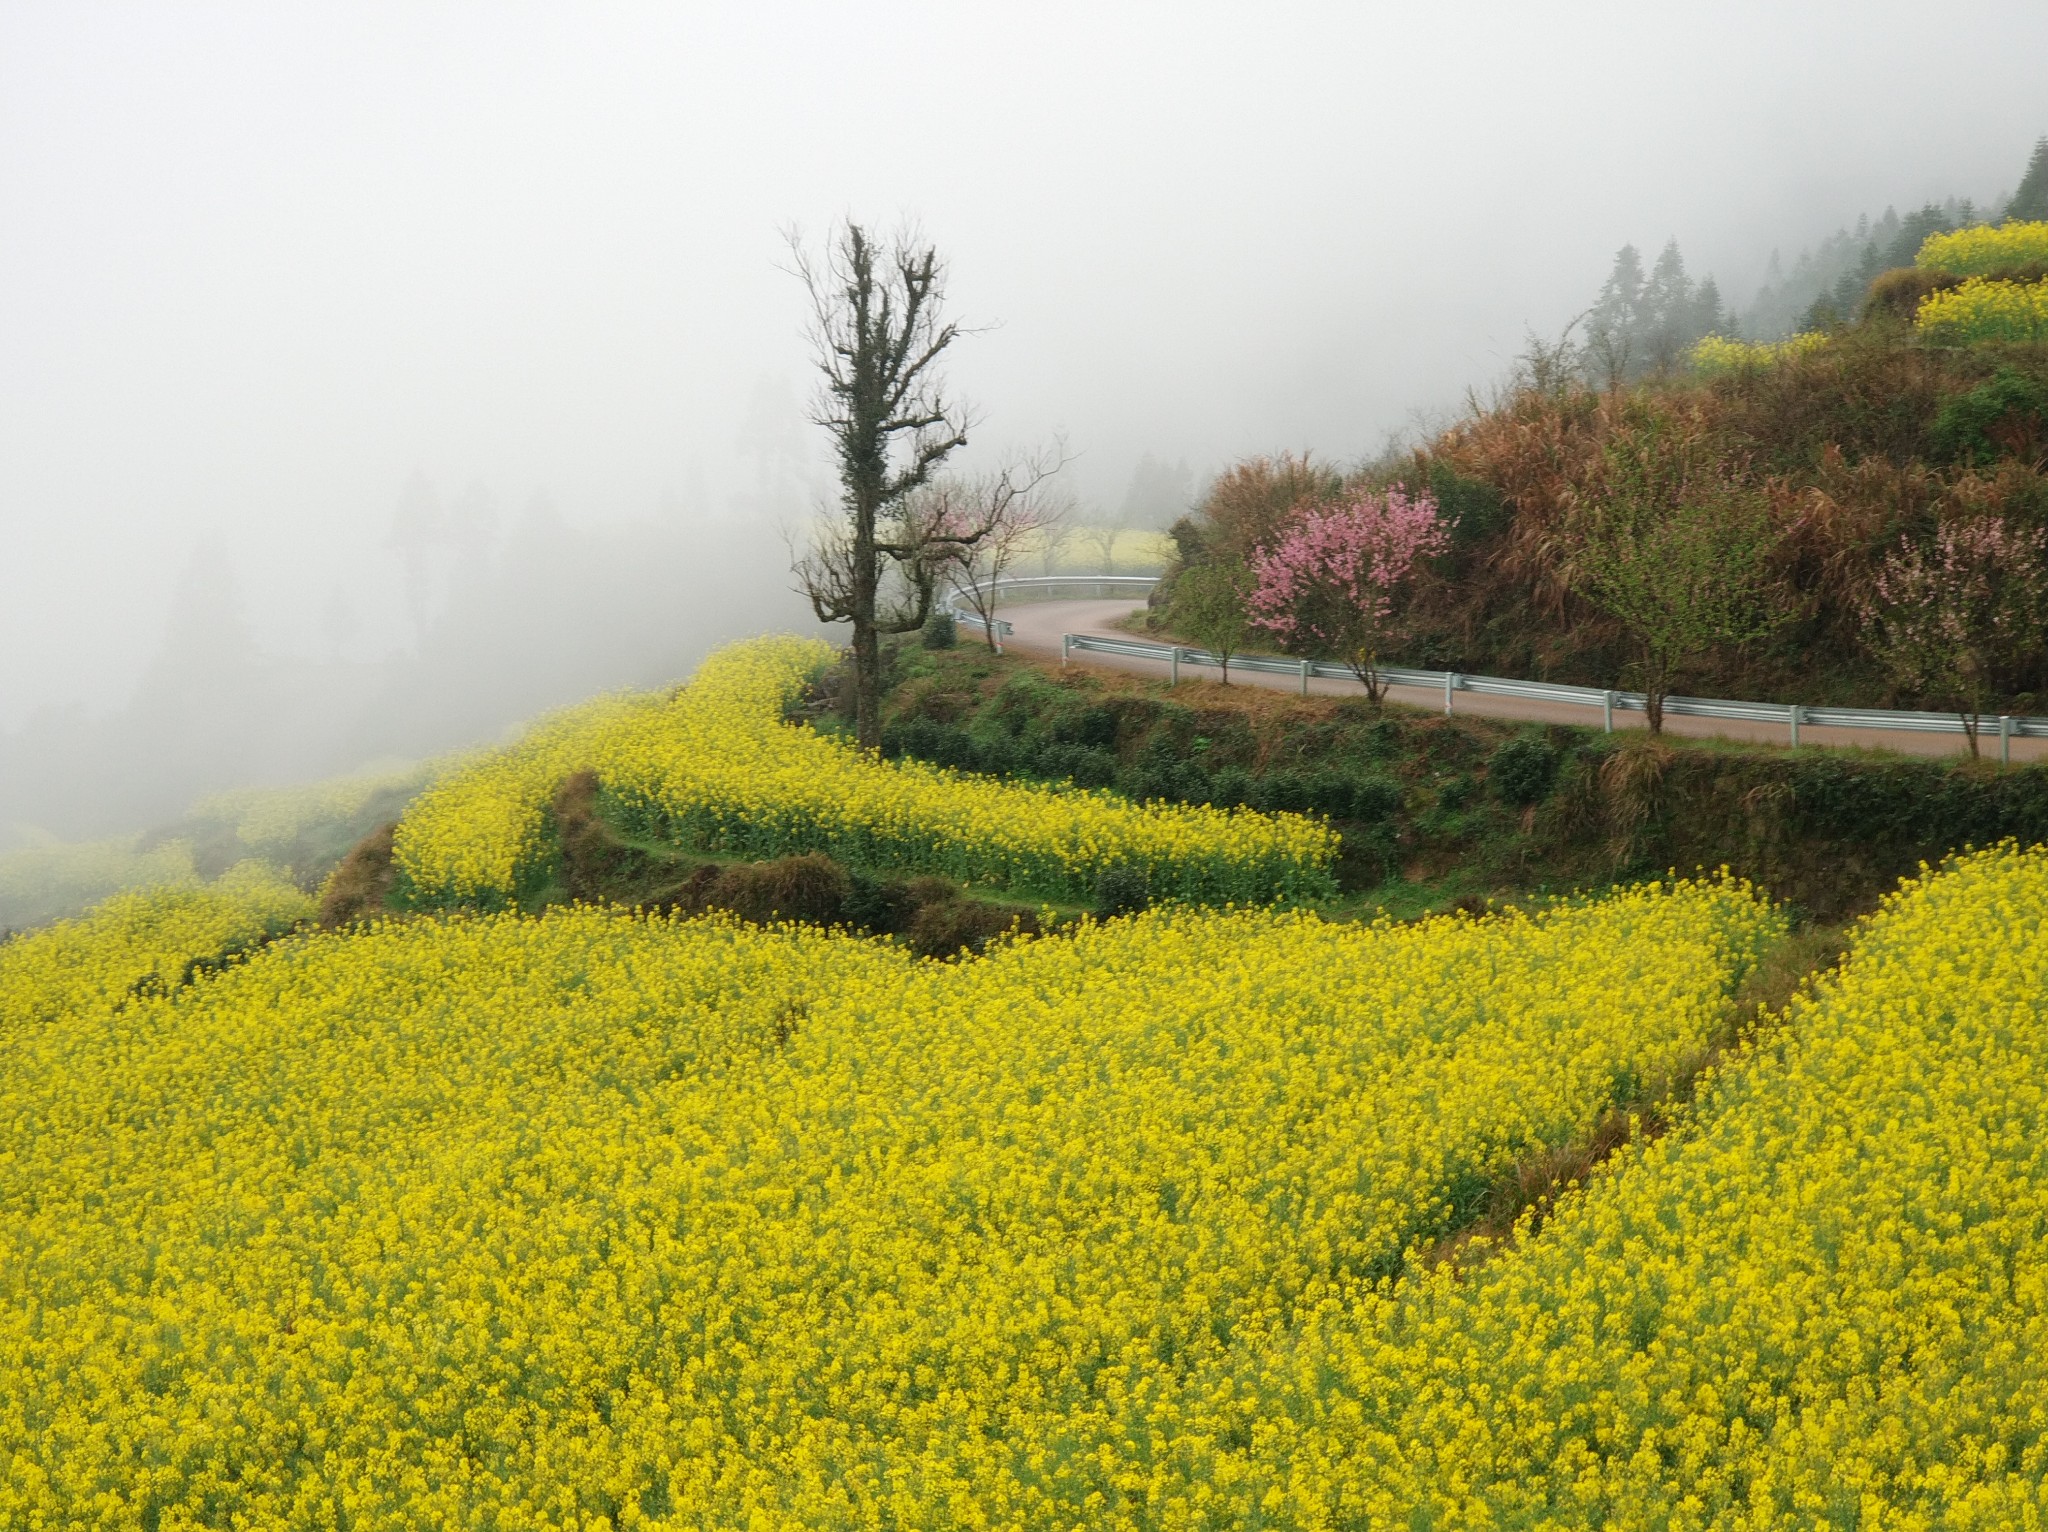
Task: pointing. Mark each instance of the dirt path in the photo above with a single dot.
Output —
(1038, 625)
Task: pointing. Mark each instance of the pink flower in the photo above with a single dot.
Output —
(1330, 583)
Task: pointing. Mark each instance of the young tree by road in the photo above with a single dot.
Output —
(1334, 583)
(878, 333)
(1210, 605)
(1947, 618)
(1677, 552)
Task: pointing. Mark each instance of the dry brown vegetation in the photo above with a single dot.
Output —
(1845, 443)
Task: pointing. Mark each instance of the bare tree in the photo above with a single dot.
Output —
(1548, 367)
(1103, 535)
(1053, 538)
(1610, 350)
(878, 333)
(1006, 513)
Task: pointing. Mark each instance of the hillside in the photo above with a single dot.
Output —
(1924, 417)
(505, 1210)
(1108, 1104)
(1432, 810)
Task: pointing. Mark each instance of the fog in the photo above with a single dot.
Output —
(374, 376)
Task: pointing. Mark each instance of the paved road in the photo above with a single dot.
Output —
(1039, 624)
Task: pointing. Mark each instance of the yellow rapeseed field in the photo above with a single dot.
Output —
(593, 1220)
(1714, 354)
(1984, 248)
(1827, 1306)
(1982, 309)
(140, 940)
(715, 767)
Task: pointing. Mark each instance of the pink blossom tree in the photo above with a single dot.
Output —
(1333, 583)
(1949, 617)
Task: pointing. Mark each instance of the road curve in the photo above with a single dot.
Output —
(1038, 625)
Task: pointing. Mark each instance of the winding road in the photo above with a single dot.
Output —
(1038, 625)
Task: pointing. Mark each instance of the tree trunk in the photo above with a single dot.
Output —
(867, 689)
(867, 643)
(1656, 687)
(1368, 673)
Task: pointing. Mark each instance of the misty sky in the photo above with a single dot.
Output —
(263, 265)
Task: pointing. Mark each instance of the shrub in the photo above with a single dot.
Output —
(811, 888)
(1277, 788)
(1900, 291)
(357, 888)
(1230, 786)
(1121, 891)
(940, 631)
(2003, 415)
(1374, 799)
(926, 739)
(1522, 770)
(1081, 764)
(956, 926)
(889, 907)
(1093, 726)
(1456, 793)
(1473, 509)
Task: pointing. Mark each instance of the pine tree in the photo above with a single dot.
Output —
(1708, 316)
(1668, 310)
(1614, 328)
(2031, 200)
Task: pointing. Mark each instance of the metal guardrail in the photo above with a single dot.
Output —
(1792, 716)
(1044, 585)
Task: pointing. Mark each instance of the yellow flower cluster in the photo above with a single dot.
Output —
(715, 767)
(1985, 310)
(140, 941)
(1716, 354)
(1827, 1305)
(1976, 251)
(599, 1221)
(480, 834)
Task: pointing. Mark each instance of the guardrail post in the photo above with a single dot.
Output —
(1450, 682)
(1304, 678)
(1173, 663)
(1066, 648)
(1792, 713)
(1607, 711)
(2005, 739)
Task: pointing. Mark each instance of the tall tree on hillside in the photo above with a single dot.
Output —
(2031, 200)
(1667, 311)
(1614, 325)
(1676, 550)
(878, 333)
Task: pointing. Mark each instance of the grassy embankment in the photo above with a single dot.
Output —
(1437, 812)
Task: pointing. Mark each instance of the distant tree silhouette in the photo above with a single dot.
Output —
(2031, 200)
